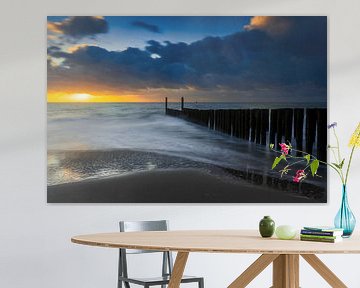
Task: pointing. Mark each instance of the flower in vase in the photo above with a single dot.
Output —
(355, 138)
(332, 125)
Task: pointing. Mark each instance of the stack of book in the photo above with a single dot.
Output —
(321, 234)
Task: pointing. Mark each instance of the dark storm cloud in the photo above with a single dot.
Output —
(80, 26)
(146, 26)
(53, 49)
(253, 60)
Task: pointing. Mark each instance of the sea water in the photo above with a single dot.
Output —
(142, 130)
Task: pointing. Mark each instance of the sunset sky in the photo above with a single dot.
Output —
(205, 59)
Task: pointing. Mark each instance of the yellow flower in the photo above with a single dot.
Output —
(355, 138)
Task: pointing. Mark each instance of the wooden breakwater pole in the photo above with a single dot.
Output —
(307, 127)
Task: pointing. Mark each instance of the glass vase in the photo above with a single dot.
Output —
(345, 219)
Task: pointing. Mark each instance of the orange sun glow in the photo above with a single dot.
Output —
(61, 97)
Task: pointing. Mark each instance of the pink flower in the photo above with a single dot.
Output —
(300, 175)
(284, 148)
(300, 172)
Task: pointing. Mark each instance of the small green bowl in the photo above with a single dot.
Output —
(286, 232)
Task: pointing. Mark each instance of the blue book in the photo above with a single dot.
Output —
(322, 231)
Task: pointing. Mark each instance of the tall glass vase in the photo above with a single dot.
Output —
(345, 219)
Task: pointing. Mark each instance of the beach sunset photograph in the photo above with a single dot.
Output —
(185, 109)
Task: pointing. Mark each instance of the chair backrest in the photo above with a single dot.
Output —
(137, 226)
(133, 226)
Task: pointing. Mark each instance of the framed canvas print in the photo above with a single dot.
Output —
(169, 109)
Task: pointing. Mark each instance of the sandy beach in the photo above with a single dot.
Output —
(168, 186)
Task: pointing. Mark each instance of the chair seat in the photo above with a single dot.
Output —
(158, 280)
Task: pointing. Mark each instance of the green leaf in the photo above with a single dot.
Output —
(336, 165)
(339, 166)
(307, 157)
(271, 146)
(277, 161)
(314, 166)
(342, 163)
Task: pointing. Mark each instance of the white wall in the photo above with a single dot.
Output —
(35, 248)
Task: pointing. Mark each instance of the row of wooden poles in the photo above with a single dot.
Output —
(308, 126)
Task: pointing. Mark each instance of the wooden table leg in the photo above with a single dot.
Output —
(286, 271)
(324, 271)
(293, 262)
(253, 270)
(178, 269)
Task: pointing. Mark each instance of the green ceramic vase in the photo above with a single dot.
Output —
(267, 227)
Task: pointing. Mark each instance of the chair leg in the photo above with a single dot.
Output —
(201, 283)
(120, 273)
(126, 284)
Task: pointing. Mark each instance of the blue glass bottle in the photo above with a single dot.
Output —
(345, 219)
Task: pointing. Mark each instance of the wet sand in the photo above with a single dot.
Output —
(169, 186)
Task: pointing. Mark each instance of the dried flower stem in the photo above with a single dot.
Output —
(351, 156)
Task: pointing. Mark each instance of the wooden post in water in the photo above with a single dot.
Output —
(299, 128)
(264, 125)
(212, 117)
(257, 125)
(237, 123)
(243, 126)
(273, 126)
(216, 120)
(241, 123)
(321, 134)
(310, 129)
(288, 124)
(280, 127)
(247, 124)
(232, 114)
(253, 125)
(222, 120)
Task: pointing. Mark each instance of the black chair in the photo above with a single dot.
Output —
(167, 265)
